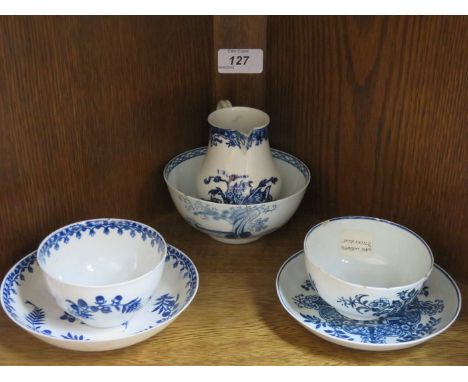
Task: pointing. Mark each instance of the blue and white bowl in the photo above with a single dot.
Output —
(26, 301)
(366, 268)
(102, 271)
(235, 224)
(432, 312)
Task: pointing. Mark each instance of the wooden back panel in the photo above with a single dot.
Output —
(377, 107)
(91, 108)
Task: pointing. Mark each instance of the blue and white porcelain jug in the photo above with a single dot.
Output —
(238, 167)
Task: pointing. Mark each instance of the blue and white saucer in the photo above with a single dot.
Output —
(27, 302)
(432, 312)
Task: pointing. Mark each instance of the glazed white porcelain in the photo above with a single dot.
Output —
(28, 304)
(235, 224)
(102, 271)
(376, 277)
(432, 312)
(238, 167)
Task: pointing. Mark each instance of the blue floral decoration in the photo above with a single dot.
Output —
(186, 269)
(76, 231)
(84, 310)
(379, 307)
(405, 325)
(74, 337)
(309, 284)
(35, 319)
(233, 138)
(13, 280)
(244, 222)
(166, 305)
(67, 317)
(238, 189)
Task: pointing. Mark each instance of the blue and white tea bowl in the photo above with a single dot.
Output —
(366, 268)
(102, 271)
(235, 224)
(432, 312)
(26, 301)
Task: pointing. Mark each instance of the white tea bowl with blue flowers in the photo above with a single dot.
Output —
(102, 271)
(366, 268)
(235, 223)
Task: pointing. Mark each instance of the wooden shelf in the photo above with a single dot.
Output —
(236, 318)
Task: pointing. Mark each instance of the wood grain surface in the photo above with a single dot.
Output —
(378, 109)
(91, 109)
(239, 32)
(236, 317)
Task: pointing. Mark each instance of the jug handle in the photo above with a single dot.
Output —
(223, 104)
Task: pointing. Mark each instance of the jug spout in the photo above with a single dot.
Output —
(243, 126)
(256, 137)
(234, 138)
(238, 167)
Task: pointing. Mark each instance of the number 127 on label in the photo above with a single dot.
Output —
(240, 61)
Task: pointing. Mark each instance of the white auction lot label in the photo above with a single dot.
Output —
(240, 60)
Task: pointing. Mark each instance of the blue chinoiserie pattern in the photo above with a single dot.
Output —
(106, 226)
(379, 307)
(237, 223)
(242, 222)
(238, 189)
(403, 326)
(233, 138)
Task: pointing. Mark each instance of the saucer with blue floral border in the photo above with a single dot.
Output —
(429, 314)
(27, 302)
